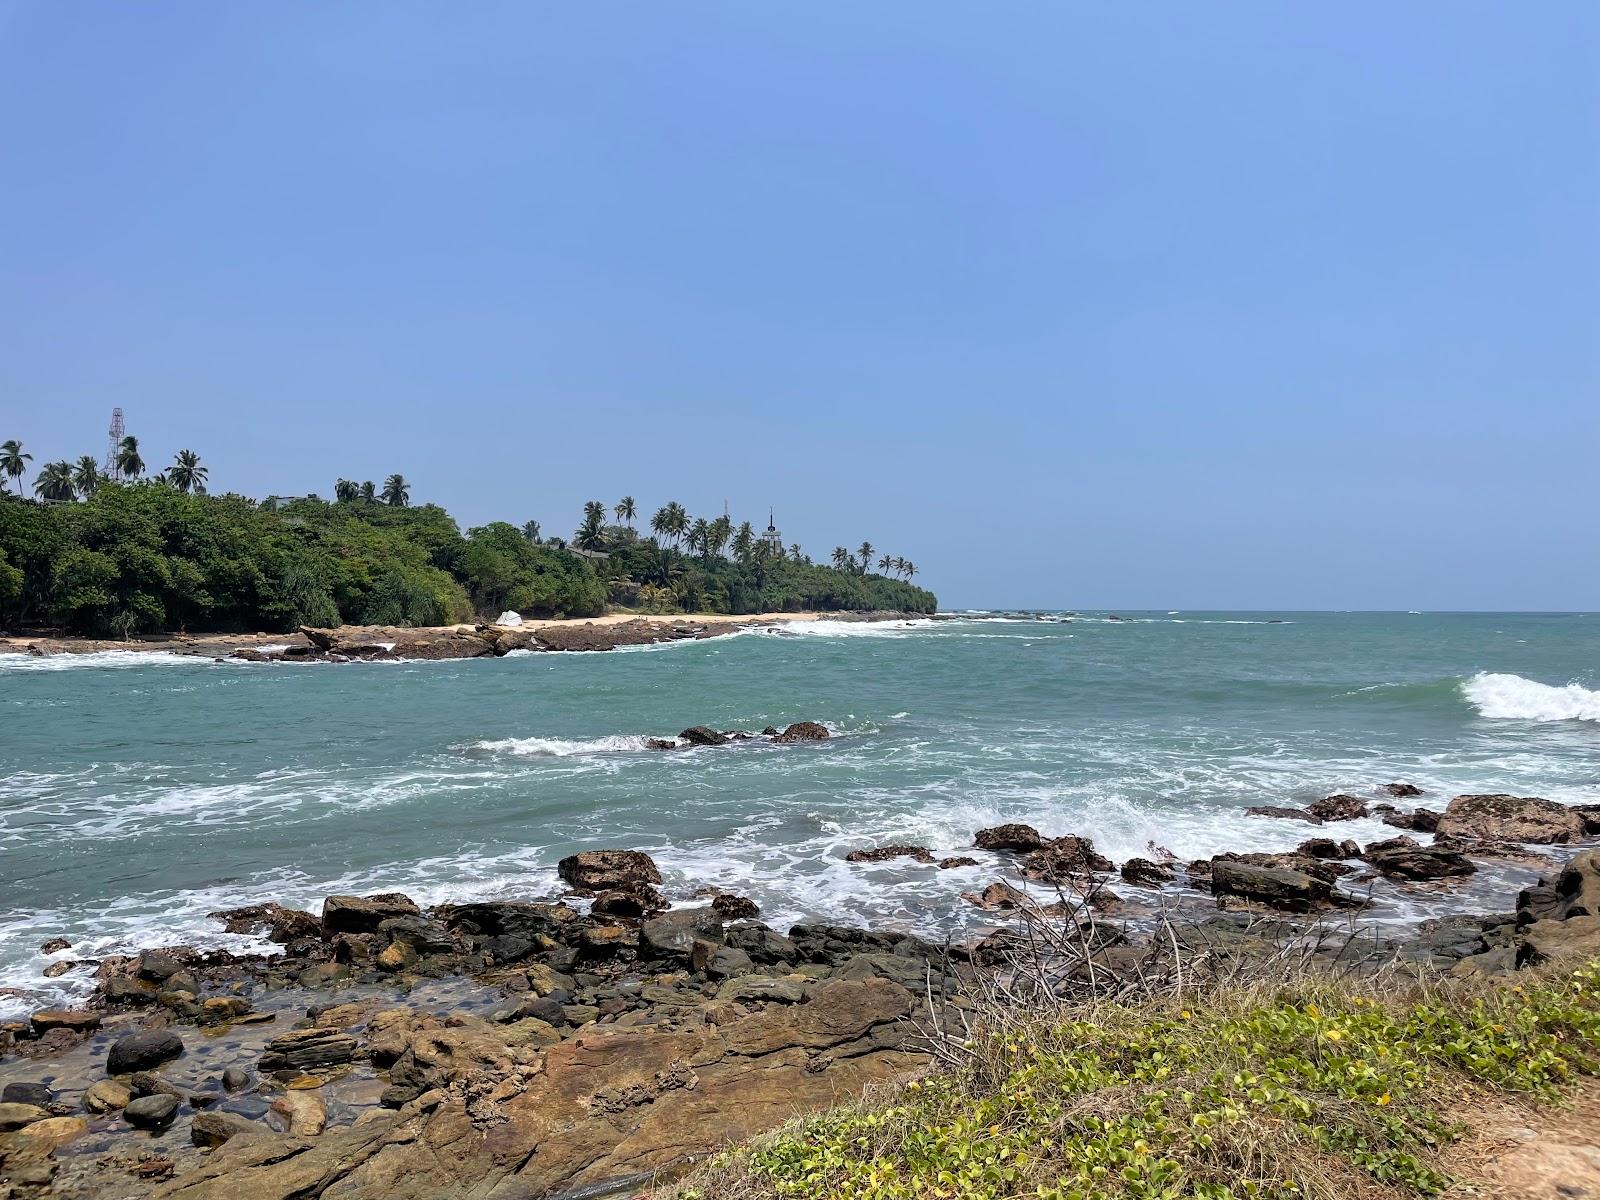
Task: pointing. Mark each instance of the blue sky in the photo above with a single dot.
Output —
(1173, 306)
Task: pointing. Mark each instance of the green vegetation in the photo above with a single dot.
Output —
(111, 554)
(1315, 1090)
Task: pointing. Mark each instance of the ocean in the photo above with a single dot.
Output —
(139, 791)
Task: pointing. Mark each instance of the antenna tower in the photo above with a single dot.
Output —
(113, 441)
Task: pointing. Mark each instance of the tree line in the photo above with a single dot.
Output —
(131, 552)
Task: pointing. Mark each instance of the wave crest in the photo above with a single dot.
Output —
(537, 747)
(1513, 698)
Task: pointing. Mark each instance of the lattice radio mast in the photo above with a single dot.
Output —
(113, 444)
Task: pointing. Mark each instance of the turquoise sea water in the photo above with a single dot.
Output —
(139, 792)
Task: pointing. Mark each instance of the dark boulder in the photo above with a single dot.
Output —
(278, 924)
(1419, 862)
(804, 731)
(363, 914)
(151, 1112)
(37, 1094)
(703, 735)
(1338, 807)
(884, 853)
(735, 908)
(673, 934)
(1065, 858)
(1512, 819)
(608, 870)
(640, 902)
(956, 860)
(763, 945)
(141, 1051)
(1143, 873)
(1276, 887)
(1021, 839)
(1321, 848)
(1402, 791)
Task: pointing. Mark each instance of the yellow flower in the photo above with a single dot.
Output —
(1186, 1015)
(1384, 1099)
(1313, 1011)
(1141, 1146)
(1333, 1035)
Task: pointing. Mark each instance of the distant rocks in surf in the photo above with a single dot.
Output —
(705, 735)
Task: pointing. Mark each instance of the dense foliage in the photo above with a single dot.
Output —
(103, 557)
(1317, 1090)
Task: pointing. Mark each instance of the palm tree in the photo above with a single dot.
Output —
(843, 560)
(13, 462)
(626, 510)
(865, 552)
(186, 474)
(884, 564)
(86, 476)
(795, 552)
(700, 537)
(744, 543)
(346, 491)
(721, 533)
(591, 534)
(55, 482)
(369, 494)
(396, 491)
(127, 459)
(911, 570)
(670, 521)
(530, 530)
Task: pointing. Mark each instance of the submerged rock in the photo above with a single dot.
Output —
(1277, 887)
(703, 735)
(279, 924)
(1282, 813)
(141, 1051)
(884, 853)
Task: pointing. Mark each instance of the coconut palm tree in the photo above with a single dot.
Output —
(843, 560)
(86, 476)
(186, 474)
(14, 463)
(591, 534)
(911, 570)
(626, 510)
(671, 521)
(129, 464)
(369, 494)
(55, 482)
(346, 491)
(530, 531)
(721, 533)
(744, 543)
(396, 491)
(884, 564)
(796, 553)
(865, 552)
(700, 537)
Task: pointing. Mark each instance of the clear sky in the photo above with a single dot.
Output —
(1249, 305)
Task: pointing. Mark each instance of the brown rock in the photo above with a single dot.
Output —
(279, 924)
(1065, 858)
(1512, 819)
(956, 860)
(1337, 808)
(608, 870)
(363, 914)
(73, 1020)
(1014, 837)
(804, 731)
(1402, 790)
(884, 853)
(997, 897)
(1143, 873)
(305, 1112)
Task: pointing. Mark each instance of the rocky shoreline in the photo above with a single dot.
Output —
(384, 643)
(588, 1043)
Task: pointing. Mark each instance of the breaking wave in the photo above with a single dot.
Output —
(1513, 698)
(536, 747)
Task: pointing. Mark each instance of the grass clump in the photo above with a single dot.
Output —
(1310, 1090)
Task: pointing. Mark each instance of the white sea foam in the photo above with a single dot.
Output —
(1513, 698)
(537, 747)
(101, 659)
